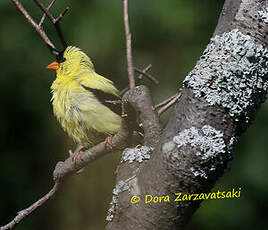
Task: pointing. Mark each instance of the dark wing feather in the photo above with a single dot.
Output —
(112, 101)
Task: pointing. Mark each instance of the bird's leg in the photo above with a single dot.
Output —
(109, 142)
(77, 153)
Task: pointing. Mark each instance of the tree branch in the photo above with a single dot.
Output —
(54, 21)
(161, 104)
(219, 100)
(62, 14)
(146, 69)
(170, 102)
(44, 15)
(128, 47)
(149, 76)
(138, 98)
(25, 212)
(38, 29)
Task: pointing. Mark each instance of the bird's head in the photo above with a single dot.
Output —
(71, 61)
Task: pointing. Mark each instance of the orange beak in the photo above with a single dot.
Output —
(54, 65)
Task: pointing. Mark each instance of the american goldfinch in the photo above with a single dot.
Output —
(86, 104)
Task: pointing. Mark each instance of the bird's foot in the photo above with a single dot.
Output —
(77, 153)
(109, 142)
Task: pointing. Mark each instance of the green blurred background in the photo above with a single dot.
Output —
(170, 35)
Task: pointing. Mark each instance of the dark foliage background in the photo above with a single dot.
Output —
(170, 35)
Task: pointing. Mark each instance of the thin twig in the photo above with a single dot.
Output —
(54, 21)
(38, 27)
(34, 24)
(57, 25)
(44, 15)
(149, 76)
(146, 69)
(165, 101)
(128, 47)
(169, 104)
(62, 14)
(23, 213)
(44, 9)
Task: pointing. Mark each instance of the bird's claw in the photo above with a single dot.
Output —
(109, 142)
(77, 153)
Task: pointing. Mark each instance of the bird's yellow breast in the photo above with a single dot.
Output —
(81, 115)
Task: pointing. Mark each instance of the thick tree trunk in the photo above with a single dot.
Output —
(219, 99)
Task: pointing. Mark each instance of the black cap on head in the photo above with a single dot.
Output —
(60, 58)
(58, 54)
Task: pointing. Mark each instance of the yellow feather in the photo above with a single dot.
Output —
(80, 113)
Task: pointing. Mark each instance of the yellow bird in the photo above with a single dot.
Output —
(86, 104)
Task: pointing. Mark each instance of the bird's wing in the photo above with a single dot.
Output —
(112, 101)
(103, 89)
